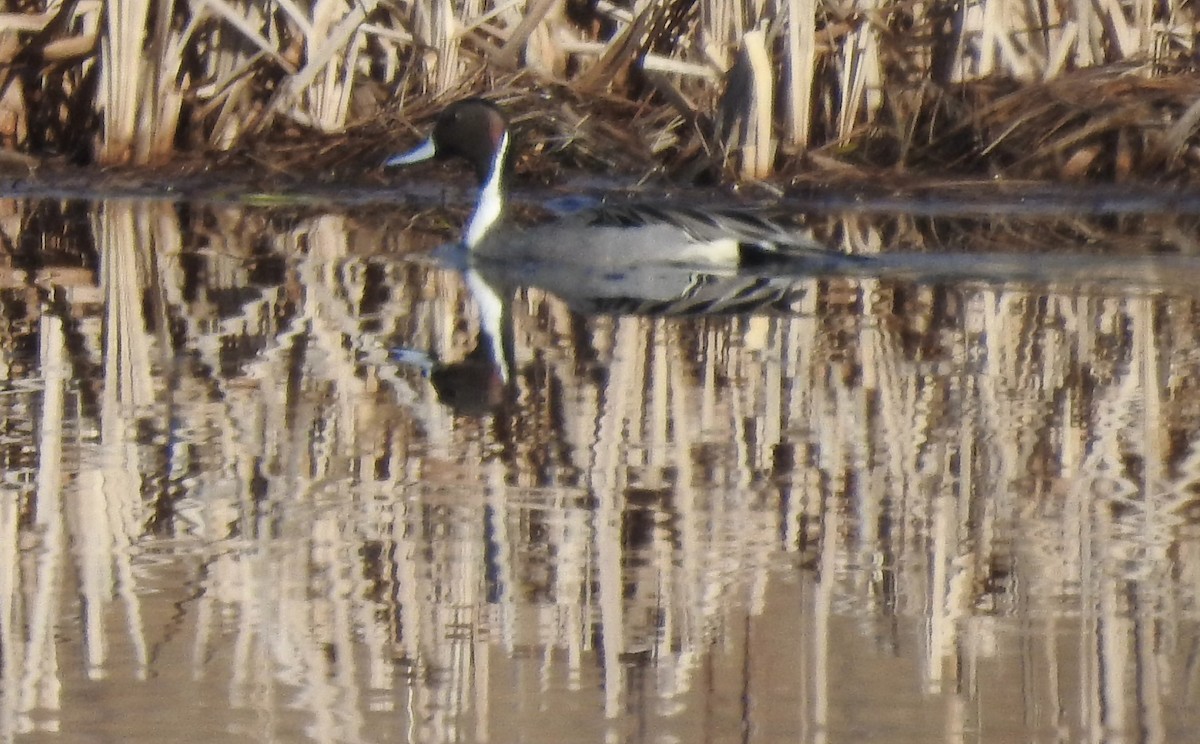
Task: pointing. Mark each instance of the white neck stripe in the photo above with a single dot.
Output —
(491, 198)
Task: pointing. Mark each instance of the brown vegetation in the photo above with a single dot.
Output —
(719, 87)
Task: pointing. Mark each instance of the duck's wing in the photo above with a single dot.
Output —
(759, 238)
(703, 224)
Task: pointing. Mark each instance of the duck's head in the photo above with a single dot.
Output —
(472, 129)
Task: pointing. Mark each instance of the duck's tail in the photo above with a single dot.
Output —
(802, 257)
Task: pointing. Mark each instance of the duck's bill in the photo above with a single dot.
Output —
(424, 151)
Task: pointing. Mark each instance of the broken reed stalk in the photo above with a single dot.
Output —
(801, 69)
(123, 69)
(758, 146)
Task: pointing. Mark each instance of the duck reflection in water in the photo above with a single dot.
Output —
(479, 383)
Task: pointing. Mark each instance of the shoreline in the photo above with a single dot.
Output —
(432, 186)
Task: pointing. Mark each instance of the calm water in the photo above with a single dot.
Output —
(265, 480)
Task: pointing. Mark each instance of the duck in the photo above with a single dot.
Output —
(607, 238)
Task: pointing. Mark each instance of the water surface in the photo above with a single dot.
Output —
(270, 475)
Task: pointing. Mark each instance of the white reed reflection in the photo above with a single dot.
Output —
(891, 497)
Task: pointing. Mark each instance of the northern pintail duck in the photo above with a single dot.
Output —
(609, 237)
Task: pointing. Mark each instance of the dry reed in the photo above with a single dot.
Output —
(145, 79)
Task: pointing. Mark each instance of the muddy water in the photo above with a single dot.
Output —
(290, 476)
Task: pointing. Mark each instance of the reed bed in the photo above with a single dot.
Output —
(951, 456)
(746, 89)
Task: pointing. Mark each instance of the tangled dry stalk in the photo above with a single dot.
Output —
(743, 88)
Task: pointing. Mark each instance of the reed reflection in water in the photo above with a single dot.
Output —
(900, 510)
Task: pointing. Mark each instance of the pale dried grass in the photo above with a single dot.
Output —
(210, 73)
